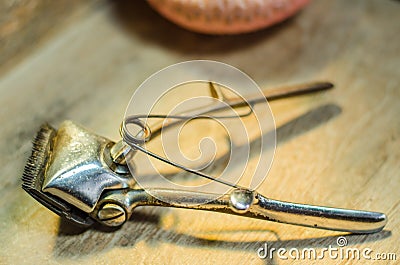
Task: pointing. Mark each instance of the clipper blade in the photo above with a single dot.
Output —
(33, 177)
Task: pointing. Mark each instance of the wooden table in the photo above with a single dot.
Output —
(83, 61)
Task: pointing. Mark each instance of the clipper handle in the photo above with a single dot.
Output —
(250, 204)
(338, 219)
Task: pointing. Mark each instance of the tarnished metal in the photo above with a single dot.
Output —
(250, 204)
(111, 215)
(83, 177)
(77, 171)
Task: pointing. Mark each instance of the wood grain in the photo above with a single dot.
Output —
(26, 24)
(339, 148)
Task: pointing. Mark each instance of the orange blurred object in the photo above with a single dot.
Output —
(227, 16)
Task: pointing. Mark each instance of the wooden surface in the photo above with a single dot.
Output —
(340, 148)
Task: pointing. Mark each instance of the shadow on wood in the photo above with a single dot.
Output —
(145, 227)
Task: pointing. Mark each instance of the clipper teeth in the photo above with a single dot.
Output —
(31, 176)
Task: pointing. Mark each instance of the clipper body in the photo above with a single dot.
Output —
(84, 178)
(71, 172)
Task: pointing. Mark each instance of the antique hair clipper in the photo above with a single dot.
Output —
(84, 178)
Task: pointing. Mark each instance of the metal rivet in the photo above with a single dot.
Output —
(241, 200)
(112, 215)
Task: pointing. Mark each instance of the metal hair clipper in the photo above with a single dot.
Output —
(83, 178)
